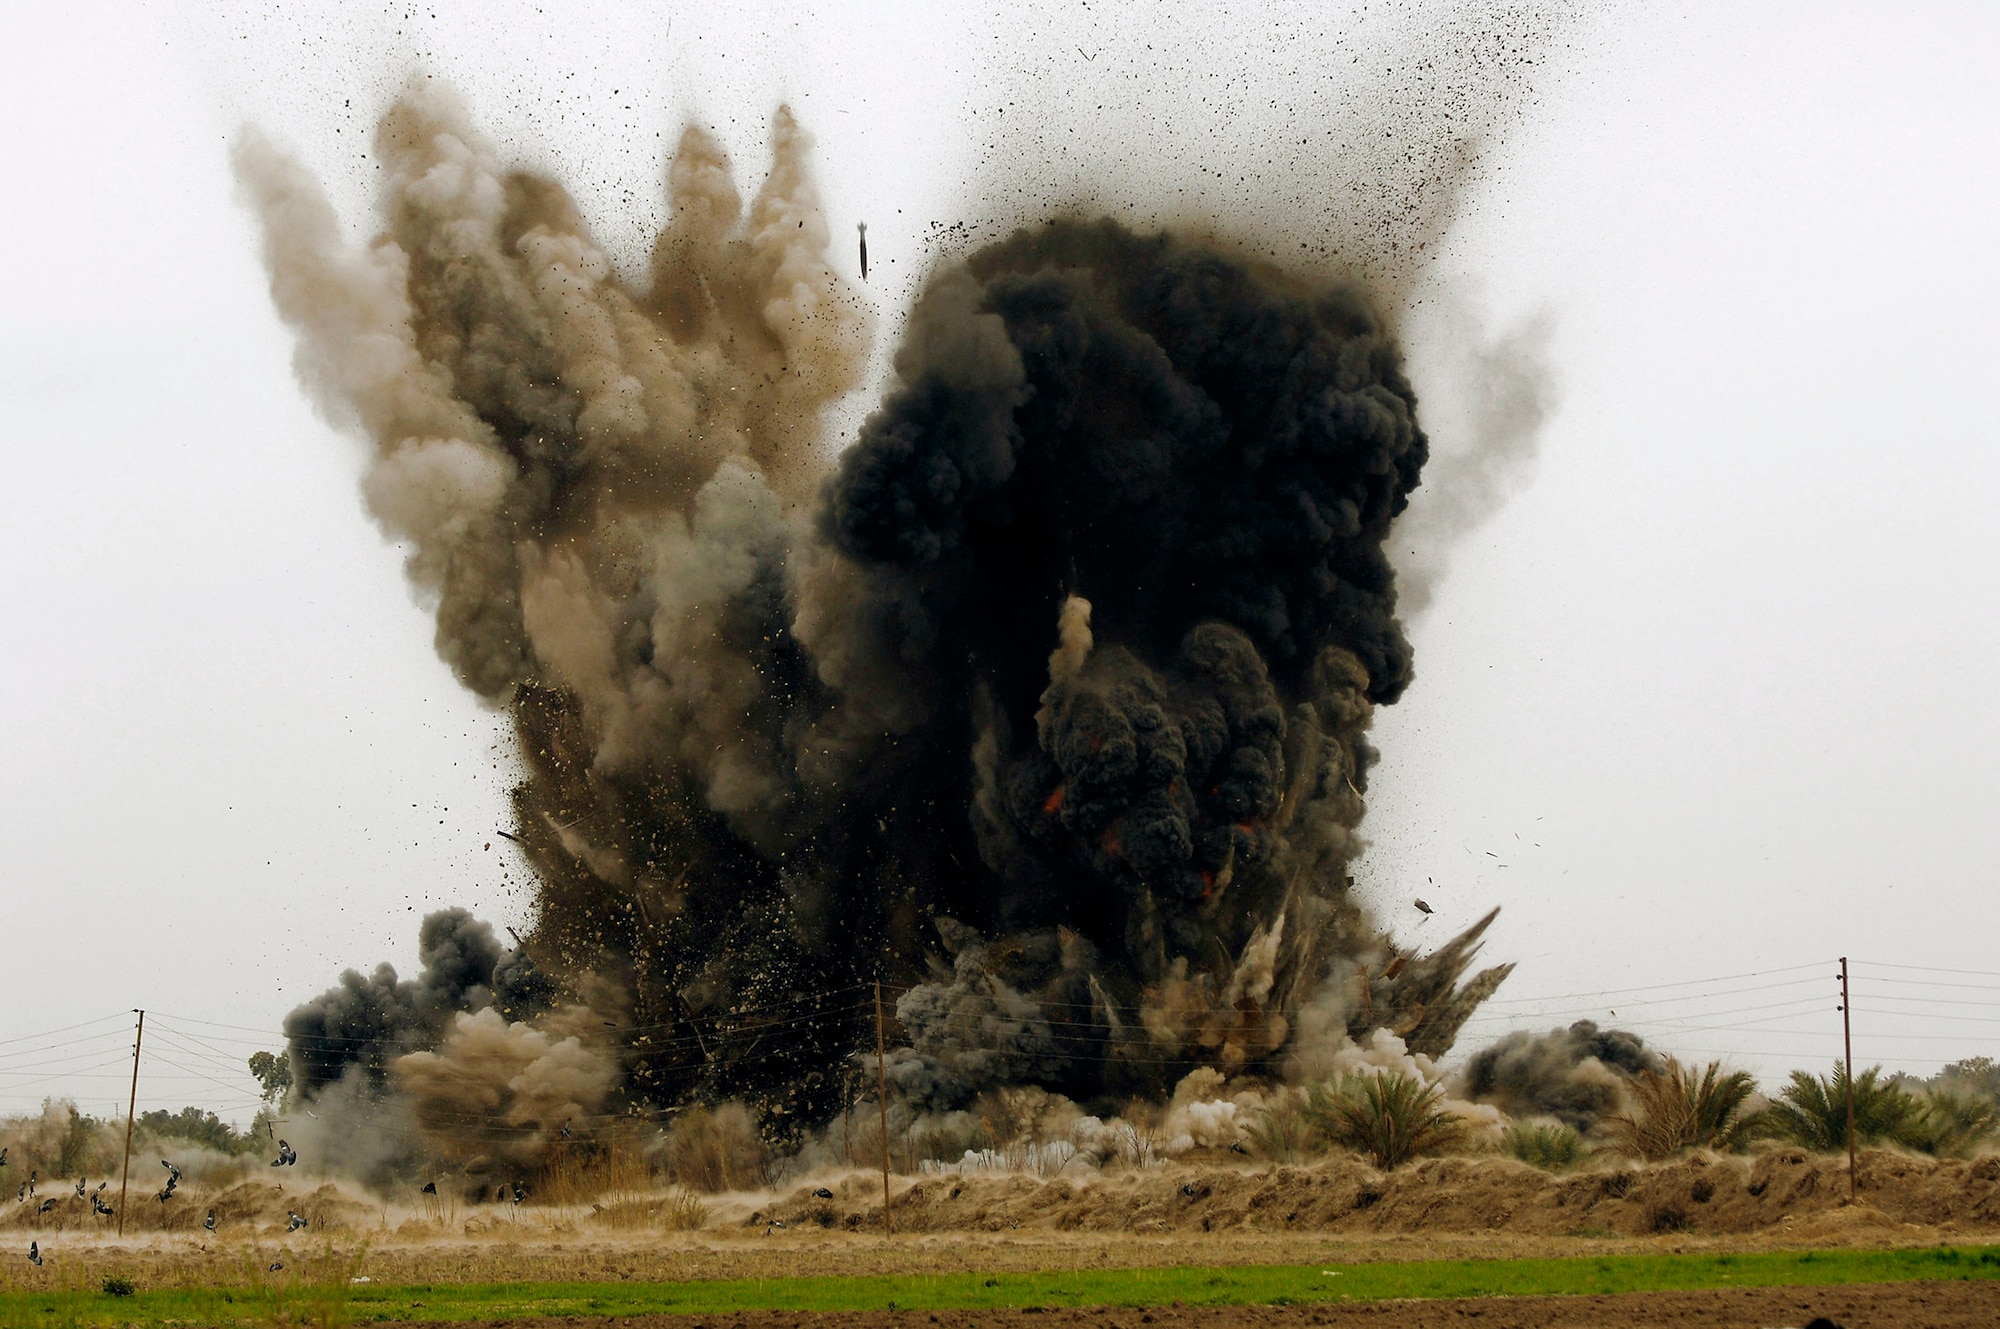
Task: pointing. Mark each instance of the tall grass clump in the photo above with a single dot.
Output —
(1811, 1111)
(1388, 1117)
(1552, 1146)
(1678, 1107)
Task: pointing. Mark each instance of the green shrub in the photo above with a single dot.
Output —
(1549, 1145)
(1280, 1130)
(1388, 1117)
(114, 1286)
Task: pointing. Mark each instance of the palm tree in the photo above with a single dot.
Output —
(1951, 1123)
(1676, 1108)
(1811, 1111)
(1391, 1117)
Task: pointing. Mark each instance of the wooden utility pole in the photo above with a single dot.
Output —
(882, 1100)
(1847, 1037)
(125, 1183)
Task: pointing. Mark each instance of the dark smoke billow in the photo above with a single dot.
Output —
(1573, 1075)
(1046, 704)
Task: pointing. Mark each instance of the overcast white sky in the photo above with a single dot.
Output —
(1717, 687)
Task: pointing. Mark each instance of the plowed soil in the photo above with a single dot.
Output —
(1858, 1306)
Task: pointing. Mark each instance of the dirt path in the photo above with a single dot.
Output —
(1970, 1305)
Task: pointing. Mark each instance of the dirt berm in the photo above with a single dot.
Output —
(1802, 1194)
(1786, 1194)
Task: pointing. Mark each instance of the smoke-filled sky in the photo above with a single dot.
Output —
(1709, 693)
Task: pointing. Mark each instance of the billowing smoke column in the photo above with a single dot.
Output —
(1046, 704)
(1571, 1074)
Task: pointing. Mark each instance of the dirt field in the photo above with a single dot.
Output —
(1861, 1306)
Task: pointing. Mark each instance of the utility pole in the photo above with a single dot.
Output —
(125, 1182)
(1847, 1037)
(882, 1100)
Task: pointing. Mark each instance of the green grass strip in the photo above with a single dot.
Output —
(1237, 1285)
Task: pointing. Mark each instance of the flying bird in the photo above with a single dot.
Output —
(863, 226)
(35, 1253)
(81, 1187)
(430, 1188)
(97, 1203)
(298, 1220)
(276, 1265)
(1423, 907)
(520, 1192)
(209, 1222)
(823, 1193)
(3, 1158)
(47, 1205)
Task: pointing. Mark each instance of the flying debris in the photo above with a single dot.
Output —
(863, 226)
(1422, 907)
(509, 835)
(35, 1254)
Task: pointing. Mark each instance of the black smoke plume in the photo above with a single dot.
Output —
(1047, 704)
(1570, 1074)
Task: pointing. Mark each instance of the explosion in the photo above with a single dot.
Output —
(1044, 701)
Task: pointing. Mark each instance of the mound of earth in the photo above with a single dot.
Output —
(262, 1208)
(1803, 1193)
(1783, 1192)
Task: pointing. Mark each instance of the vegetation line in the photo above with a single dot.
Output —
(335, 1300)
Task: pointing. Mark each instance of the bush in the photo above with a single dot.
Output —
(1811, 1111)
(114, 1286)
(1549, 1145)
(1388, 1117)
(1676, 1108)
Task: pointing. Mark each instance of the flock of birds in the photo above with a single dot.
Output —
(287, 1157)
